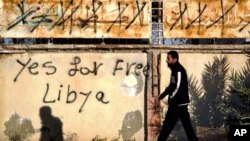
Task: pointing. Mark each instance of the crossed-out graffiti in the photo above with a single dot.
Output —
(100, 16)
(203, 18)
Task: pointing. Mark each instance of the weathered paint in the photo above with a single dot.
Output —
(234, 23)
(89, 105)
(74, 19)
(129, 87)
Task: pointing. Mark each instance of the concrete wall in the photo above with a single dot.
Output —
(74, 18)
(206, 18)
(111, 99)
(94, 94)
(195, 64)
(217, 83)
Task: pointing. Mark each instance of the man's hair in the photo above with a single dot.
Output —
(174, 54)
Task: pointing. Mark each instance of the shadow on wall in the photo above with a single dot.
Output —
(18, 128)
(207, 102)
(224, 93)
(51, 129)
(221, 100)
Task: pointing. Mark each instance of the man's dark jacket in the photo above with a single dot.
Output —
(178, 87)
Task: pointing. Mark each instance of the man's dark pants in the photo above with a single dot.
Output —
(174, 113)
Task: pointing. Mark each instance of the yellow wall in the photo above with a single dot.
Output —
(207, 23)
(122, 94)
(81, 19)
(194, 64)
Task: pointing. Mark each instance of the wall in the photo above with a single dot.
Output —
(195, 64)
(206, 18)
(74, 19)
(219, 87)
(112, 102)
(95, 95)
(101, 92)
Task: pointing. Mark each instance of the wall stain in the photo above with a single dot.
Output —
(18, 128)
(131, 124)
(132, 84)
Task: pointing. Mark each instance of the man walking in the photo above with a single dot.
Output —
(178, 100)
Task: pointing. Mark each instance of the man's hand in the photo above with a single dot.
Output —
(161, 96)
